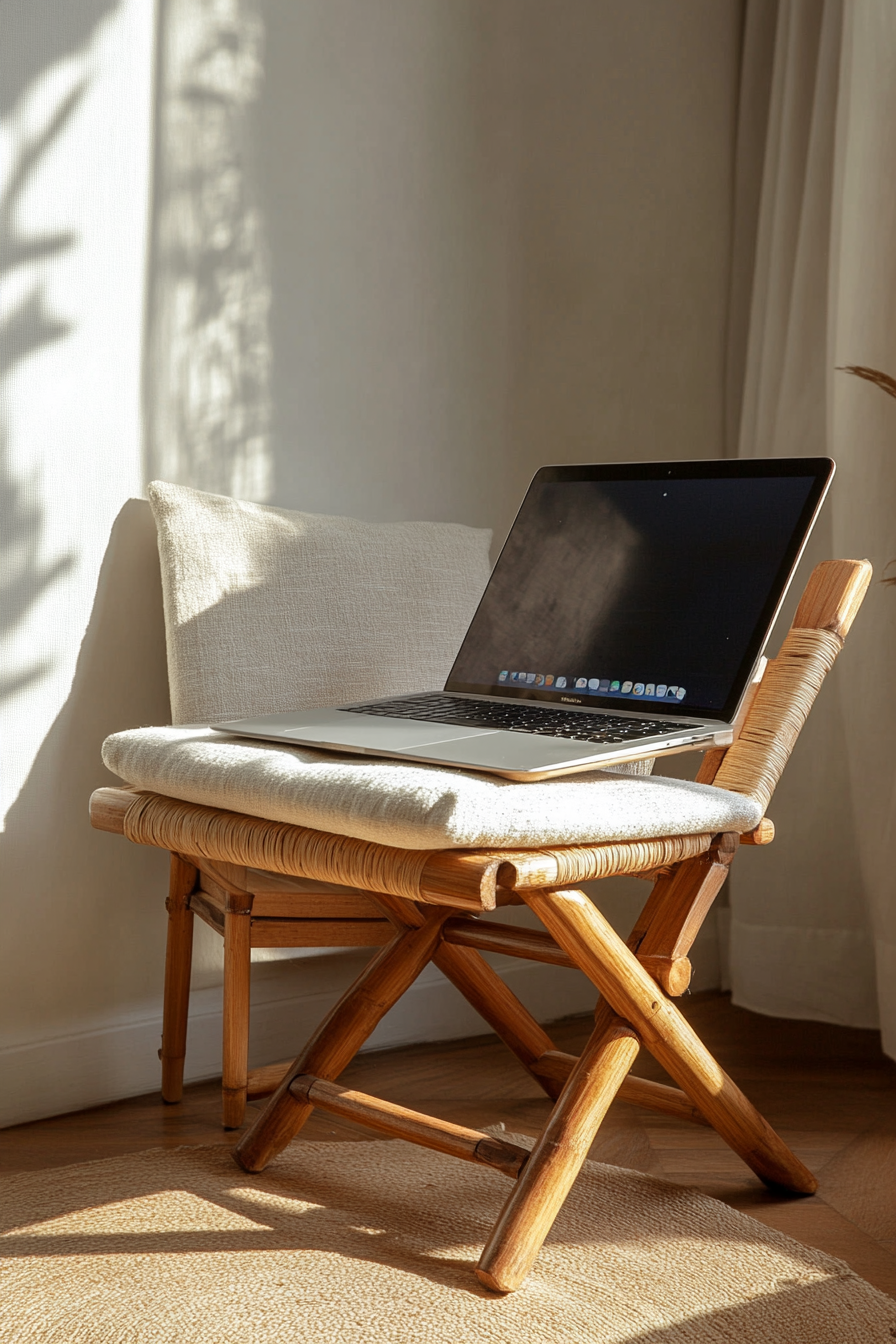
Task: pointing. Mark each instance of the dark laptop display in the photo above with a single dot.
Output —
(625, 619)
(647, 586)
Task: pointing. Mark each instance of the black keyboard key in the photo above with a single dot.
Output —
(523, 718)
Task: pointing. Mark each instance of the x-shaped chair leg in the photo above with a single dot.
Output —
(633, 1010)
(557, 1157)
(341, 1034)
(627, 987)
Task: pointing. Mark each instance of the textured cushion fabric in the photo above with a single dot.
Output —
(269, 609)
(415, 806)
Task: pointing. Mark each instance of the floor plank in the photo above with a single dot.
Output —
(860, 1181)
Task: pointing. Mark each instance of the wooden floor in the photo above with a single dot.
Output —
(829, 1091)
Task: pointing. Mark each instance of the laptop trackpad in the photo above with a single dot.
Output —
(338, 729)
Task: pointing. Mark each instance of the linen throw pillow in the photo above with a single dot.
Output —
(269, 609)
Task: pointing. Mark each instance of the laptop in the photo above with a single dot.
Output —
(626, 618)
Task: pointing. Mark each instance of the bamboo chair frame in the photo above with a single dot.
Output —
(431, 900)
(249, 908)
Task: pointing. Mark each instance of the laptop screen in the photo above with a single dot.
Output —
(646, 586)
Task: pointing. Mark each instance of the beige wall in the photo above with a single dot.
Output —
(621, 124)
(403, 252)
(502, 241)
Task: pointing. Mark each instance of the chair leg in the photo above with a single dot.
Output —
(341, 1035)
(484, 989)
(235, 1062)
(557, 1157)
(178, 961)
(597, 949)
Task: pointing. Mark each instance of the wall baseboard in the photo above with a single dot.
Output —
(90, 1068)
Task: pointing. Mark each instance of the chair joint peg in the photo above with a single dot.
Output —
(763, 834)
(672, 974)
(506, 1157)
(724, 847)
(239, 903)
(302, 1086)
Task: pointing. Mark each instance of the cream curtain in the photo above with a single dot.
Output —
(813, 919)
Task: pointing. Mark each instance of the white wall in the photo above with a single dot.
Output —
(80, 617)
(75, 158)
(395, 254)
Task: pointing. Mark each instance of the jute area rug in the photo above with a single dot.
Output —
(338, 1243)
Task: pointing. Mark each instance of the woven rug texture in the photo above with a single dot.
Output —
(376, 1241)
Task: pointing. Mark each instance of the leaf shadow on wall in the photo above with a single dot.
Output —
(206, 370)
(26, 329)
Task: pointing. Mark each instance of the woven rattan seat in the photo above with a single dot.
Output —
(431, 898)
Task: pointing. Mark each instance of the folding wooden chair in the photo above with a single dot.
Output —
(432, 900)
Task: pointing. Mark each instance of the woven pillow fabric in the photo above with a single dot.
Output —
(269, 609)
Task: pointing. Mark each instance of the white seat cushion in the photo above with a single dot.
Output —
(415, 806)
(269, 609)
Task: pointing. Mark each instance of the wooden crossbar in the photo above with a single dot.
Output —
(553, 1066)
(530, 944)
(293, 930)
(557, 1065)
(385, 1116)
(672, 970)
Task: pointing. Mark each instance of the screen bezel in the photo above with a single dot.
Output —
(820, 468)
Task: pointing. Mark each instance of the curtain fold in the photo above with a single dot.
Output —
(813, 919)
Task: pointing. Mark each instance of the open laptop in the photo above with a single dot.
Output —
(625, 618)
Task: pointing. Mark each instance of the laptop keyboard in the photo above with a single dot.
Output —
(519, 718)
